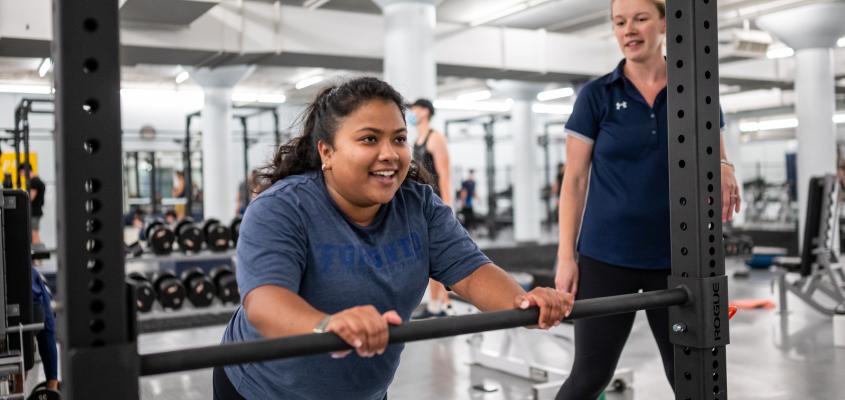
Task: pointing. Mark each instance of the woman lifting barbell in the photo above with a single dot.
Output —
(343, 238)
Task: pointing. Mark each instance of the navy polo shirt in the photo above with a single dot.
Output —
(626, 217)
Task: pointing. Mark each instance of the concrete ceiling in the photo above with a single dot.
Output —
(587, 18)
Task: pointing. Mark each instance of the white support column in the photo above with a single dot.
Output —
(221, 170)
(409, 63)
(527, 206)
(812, 31)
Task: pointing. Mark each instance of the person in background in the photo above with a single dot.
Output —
(36, 199)
(467, 195)
(431, 151)
(170, 217)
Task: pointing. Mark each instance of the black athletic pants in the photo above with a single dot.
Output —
(223, 388)
(599, 341)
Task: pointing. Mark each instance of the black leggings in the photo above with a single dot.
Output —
(223, 388)
(599, 341)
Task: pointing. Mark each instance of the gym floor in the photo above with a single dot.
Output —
(770, 357)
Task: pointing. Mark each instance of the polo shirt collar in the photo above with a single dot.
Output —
(617, 73)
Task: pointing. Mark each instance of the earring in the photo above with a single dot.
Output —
(326, 167)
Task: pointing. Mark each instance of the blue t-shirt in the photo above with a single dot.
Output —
(626, 217)
(294, 236)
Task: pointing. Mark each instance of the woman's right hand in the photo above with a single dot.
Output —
(363, 328)
(566, 276)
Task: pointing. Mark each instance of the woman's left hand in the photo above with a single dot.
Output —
(730, 193)
(554, 305)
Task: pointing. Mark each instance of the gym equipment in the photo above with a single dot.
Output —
(822, 281)
(510, 361)
(159, 237)
(235, 229)
(134, 249)
(40, 392)
(90, 145)
(169, 290)
(200, 289)
(188, 236)
(226, 284)
(145, 295)
(217, 236)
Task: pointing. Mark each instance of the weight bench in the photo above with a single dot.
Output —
(821, 281)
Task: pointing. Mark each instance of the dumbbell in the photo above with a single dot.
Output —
(159, 237)
(235, 228)
(169, 290)
(200, 290)
(134, 249)
(145, 295)
(227, 285)
(217, 236)
(188, 235)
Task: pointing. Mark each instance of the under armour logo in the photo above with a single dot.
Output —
(621, 105)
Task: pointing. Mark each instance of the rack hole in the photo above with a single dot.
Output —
(710, 175)
(710, 187)
(715, 364)
(687, 375)
(714, 351)
(709, 150)
(681, 138)
(680, 113)
(680, 64)
(679, 39)
(683, 201)
(687, 351)
(710, 226)
(92, 226)
(91, 106)
(91, 146)
(94, 265)
(712, 263)
(684, 275)
(711, 250)
(707, 74)
(707, 51)
(680, 88)
(679, 14)
(92, 206)
(711, 213)
(90, 65)
(95, 285)
(96, 325)
(682, 163)
(709, 125)
(684, 251)
(706, 24)
(90, 24)
(711, 238)
(708, 99)
(683, 226)
(92, 245)
(92, 186)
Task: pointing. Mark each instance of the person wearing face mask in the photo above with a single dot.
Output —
(432, 152)
(343, 237)
(617, 181)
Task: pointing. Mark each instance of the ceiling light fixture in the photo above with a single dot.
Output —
(314, 4)
(555, 94)
(26, 89)
(182, 77)
(308, 82)
(506, 12)
(45, 67)
(475, 96)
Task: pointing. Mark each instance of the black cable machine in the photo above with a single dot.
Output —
(258, 110)
(100, 357)
(20, 133)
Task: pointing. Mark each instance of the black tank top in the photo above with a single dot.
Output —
(424, 158)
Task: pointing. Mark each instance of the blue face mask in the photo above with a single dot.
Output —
(411, 119)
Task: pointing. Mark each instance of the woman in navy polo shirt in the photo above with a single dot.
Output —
(617, 178)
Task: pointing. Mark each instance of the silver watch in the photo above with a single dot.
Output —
(321, 326)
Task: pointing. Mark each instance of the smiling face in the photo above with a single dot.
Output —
(369, 158)
(639, 28)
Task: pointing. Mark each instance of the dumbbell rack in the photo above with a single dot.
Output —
(159, 320)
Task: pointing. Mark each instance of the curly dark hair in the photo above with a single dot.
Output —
(320, 122)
